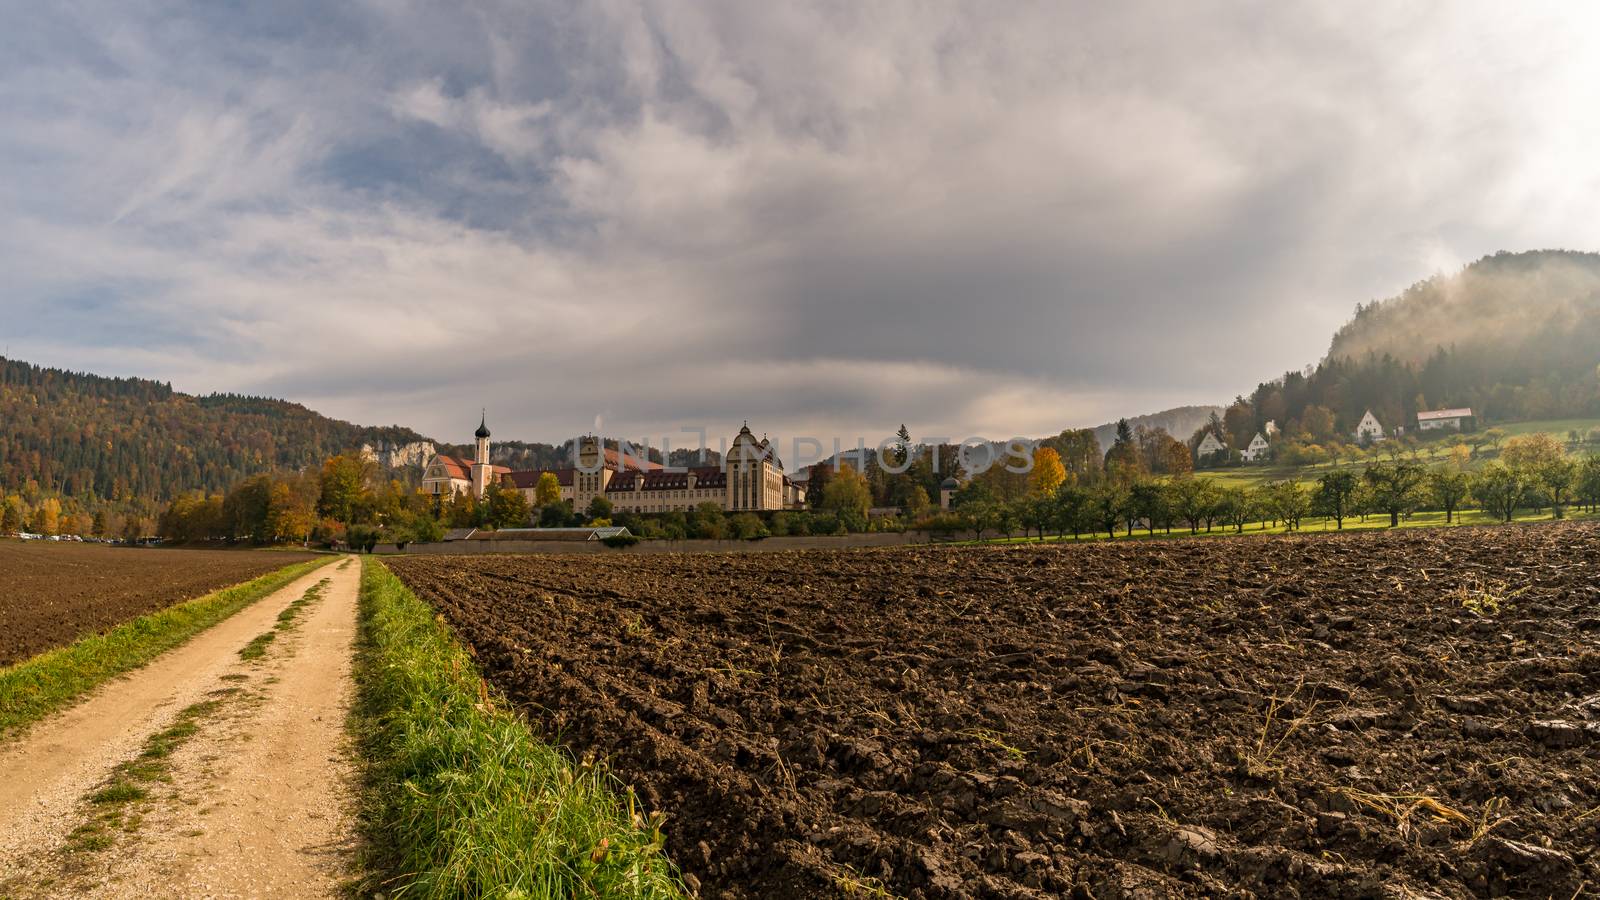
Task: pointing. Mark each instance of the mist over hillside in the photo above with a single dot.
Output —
(1180, 422)
(1544, 303)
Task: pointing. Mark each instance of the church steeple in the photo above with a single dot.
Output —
(483, 426)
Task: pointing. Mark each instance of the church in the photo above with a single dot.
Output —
(750, 478)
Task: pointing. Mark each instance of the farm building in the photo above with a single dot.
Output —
(1258, 449)
(1370, 430)
(1209, 446)
(1439, 419)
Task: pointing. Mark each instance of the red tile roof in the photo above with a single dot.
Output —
(529, 480)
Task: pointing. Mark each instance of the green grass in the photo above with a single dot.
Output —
(461, 799)
(1557, 427)
(113, 801)
(257, 647)
(36, 687)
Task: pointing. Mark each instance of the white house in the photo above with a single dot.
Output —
(1209, 445)
(1457, 419)
(1370, 430)
(1258, 449)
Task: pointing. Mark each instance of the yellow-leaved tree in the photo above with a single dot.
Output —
(1048, 472)
(547, 491)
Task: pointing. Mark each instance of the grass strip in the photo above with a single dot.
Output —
(114, 801)
(35, 687)
(461, 799)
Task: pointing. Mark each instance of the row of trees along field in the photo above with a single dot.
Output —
(1533, 473)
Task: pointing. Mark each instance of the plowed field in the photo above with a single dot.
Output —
(51, 594)
(1404, 714)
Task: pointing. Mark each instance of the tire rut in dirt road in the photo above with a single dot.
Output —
(226, 776)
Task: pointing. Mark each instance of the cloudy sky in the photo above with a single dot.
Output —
(831, 218)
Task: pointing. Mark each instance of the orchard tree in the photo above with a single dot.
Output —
(1449, 487)
(1289, 501)
(1395, 487)
(1588, 488)
(1236, 507)
(1499, 489)
(1193, 500)
(1558, 476)
(1335, 490)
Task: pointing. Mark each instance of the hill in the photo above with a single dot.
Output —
(1541, 309)
(129, 439)
(1179, 422)
(1514, 336)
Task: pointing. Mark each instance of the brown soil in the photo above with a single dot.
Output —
(52, 594)
(1393, 714)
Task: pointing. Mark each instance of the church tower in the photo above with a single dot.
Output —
(480, 460)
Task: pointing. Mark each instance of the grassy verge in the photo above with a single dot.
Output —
(461, 799)
(114, 803)
(36, 687)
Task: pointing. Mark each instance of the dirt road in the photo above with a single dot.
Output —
(220, 770)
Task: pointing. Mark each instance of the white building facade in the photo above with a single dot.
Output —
(1369, 430)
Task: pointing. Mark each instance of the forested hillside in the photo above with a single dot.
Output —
(118, 439)
(1514, 336)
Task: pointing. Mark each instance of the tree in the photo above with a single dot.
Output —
(46, 517)
(1236, 507)
(555, 515)
(747, 527)
(1588, 489)
(506, 507)
(708, 522)
(1290, 502)
(1316, 422)
(547, 490)
(290, 516)
(1449, 487)
(1109, 501)
(599, 508)
(1395, 487)
(1148, 500)
(1334, 492)
(12, 514)
(1193, 500)
(917, 501)
(848, 497)
(1558, 477)
(1070, 506)
(1048, 472)
(344, 487)
(1499, 488)
(1530, 452)
(246, 512)
(1124, 452)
